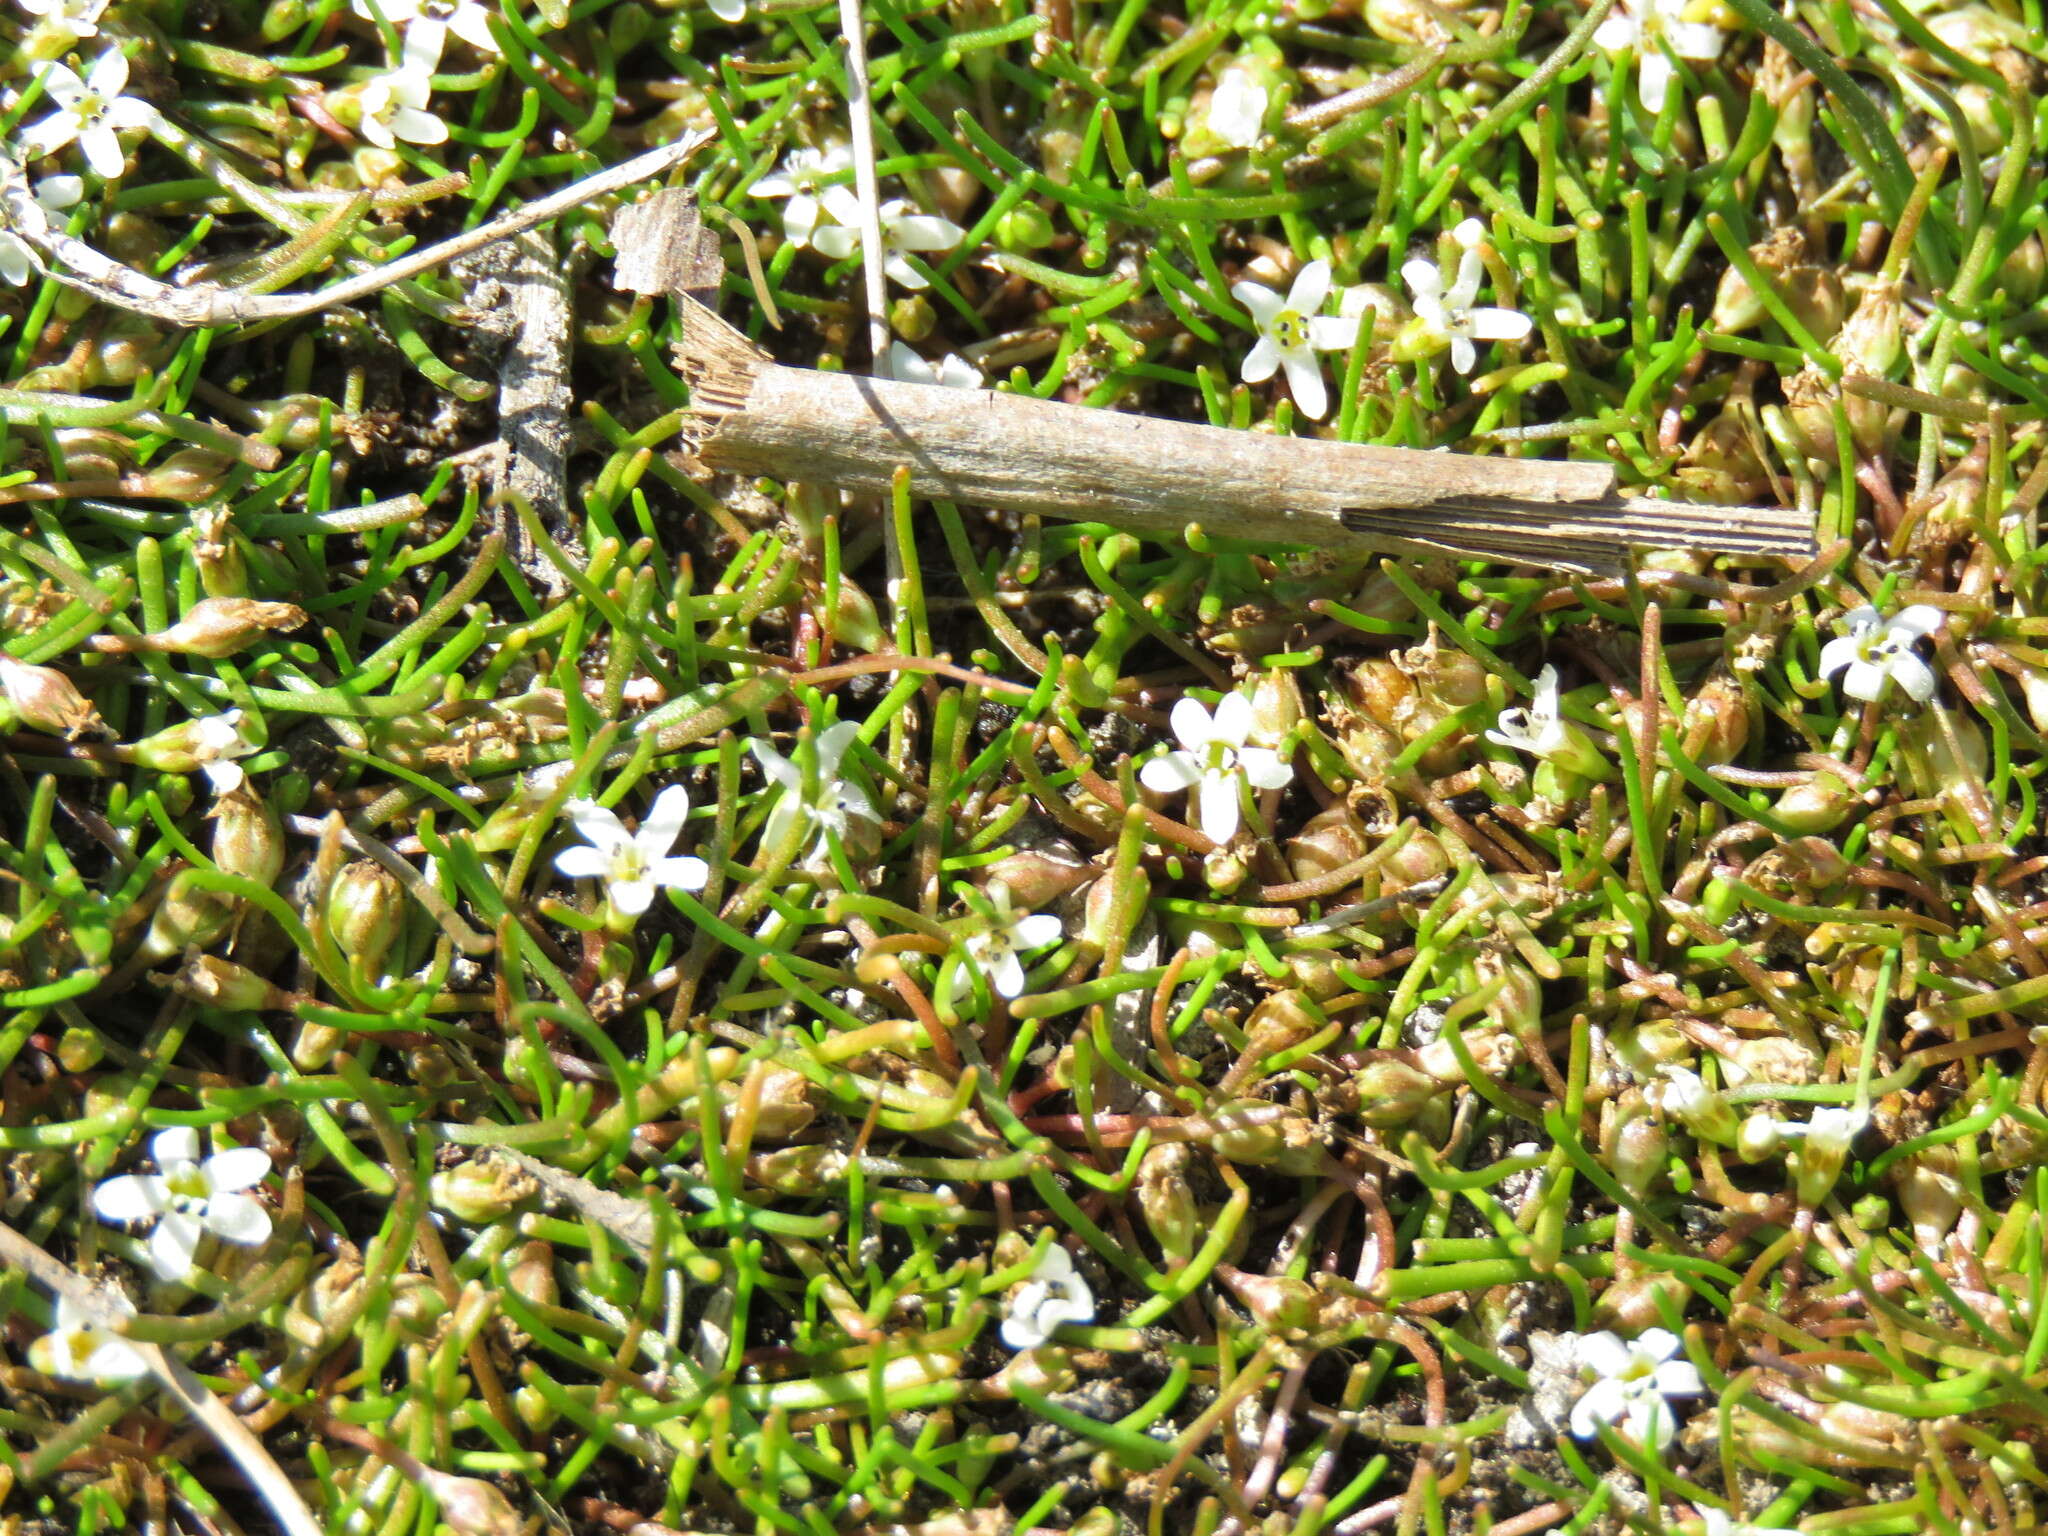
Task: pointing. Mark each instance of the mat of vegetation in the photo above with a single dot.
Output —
(543, 991)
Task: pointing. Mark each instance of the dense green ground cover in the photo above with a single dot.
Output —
(722, 1007)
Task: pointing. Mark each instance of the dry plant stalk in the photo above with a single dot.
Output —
(752, 416)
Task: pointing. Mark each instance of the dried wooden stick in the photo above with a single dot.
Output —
(205, 304)
(751, 416)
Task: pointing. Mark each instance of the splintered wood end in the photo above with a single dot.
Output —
(719, 365)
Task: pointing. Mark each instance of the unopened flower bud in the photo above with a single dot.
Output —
(1419, 859)
(1759, 1137)
(1380, 691)
(1640, 1148)
(1930, 1194)
(189, 916)
(1518, 1005)
(1823, 1148)
(190, 475)
(1684, 1095)
(1281, 1305)
(1276, 707)
(315, 1044)
(1166, 1202)
(1268, 1136)
(366, 913)
(481, 1191)
(1038, 876)
(1816, 806)
(80, 1049)
(534, 1410)
(329, 1306)
(222, 570)
(1715, 727)
(1629, 1305)
(46, 701)
(811, 1171)
(1392, 1093)
(416, 1304)
(1331, 839)
(222, 984)
(190, 745)
(470, 1506)
(214, 627)
(247, 839)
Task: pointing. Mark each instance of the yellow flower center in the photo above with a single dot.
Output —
(1290, 330)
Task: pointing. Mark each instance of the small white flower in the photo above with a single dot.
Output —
(801, 178)
(427, 24)
(902, 230)
(1291, 333)
(80, 18)
(395, 107)
(187, 1198)
(953, 370)
(1054, 1294)
(830, 803)
(1214, 761)
(996, 949)
(216, 741)
(633, 865)
(1639, 27)
(80, 1349)
(1720, 1523)
(1878, 650)
(92, 111)
(1237, 108)
(1538, 729)
(1634, 1380)
(1450, 315)
(53, 194)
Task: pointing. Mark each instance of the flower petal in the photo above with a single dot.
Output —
(1920, 619)
(580, 861)
(417, 127)
(472, 23)
(1036, 931)
(1262, 301)
(1865, 681)
(925, 232)
(833, 744)
(1657, 1343)
(102, 149)
(1653, 82)
(1602, 1353)
(1423, 278)
(1839, 653)
(1463, 354)
(1678, 1378)
(631, 897)
(1170, 773)
(1501, 324)
(108, 74)
(1616, 33)
(1311, 288)
(1192, 725)
(1915, 676)
(1219, 808)
(664, 822)
(132, 1197)
(681, 874)
(179, 1144)
(236, 1168)
(729, 10)
(1328, 333)
(1265, 768)
(172, 1246)
(1006, 977)
(598, 825)
(1602, 1403)
(1262, 362)
(112, 1359)
(1650, 1422)
(425, 40)
(1695, 39)
(1305, 382)
(237, 1219)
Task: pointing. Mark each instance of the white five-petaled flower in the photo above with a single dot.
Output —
(1214, 757)
(1054, 1294)
(427, 24)
(1720, 1523)
(395, 107)
(187, 1198)
(1639, 26)
(830, 803)
(1291, 333)
(1449, 315)
(53, 194)
(80, 18)
(903, 230)
(1237, 108)
(92, 111)
(996, 949)
(1634, 1381)
(952, 370)
(1539, 728)
(78, 1348)
(633, 865)
(1878, 650)
(801, 179)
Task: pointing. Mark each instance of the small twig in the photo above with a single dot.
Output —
(751, 416)
(178, 1382)
(107, 280)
